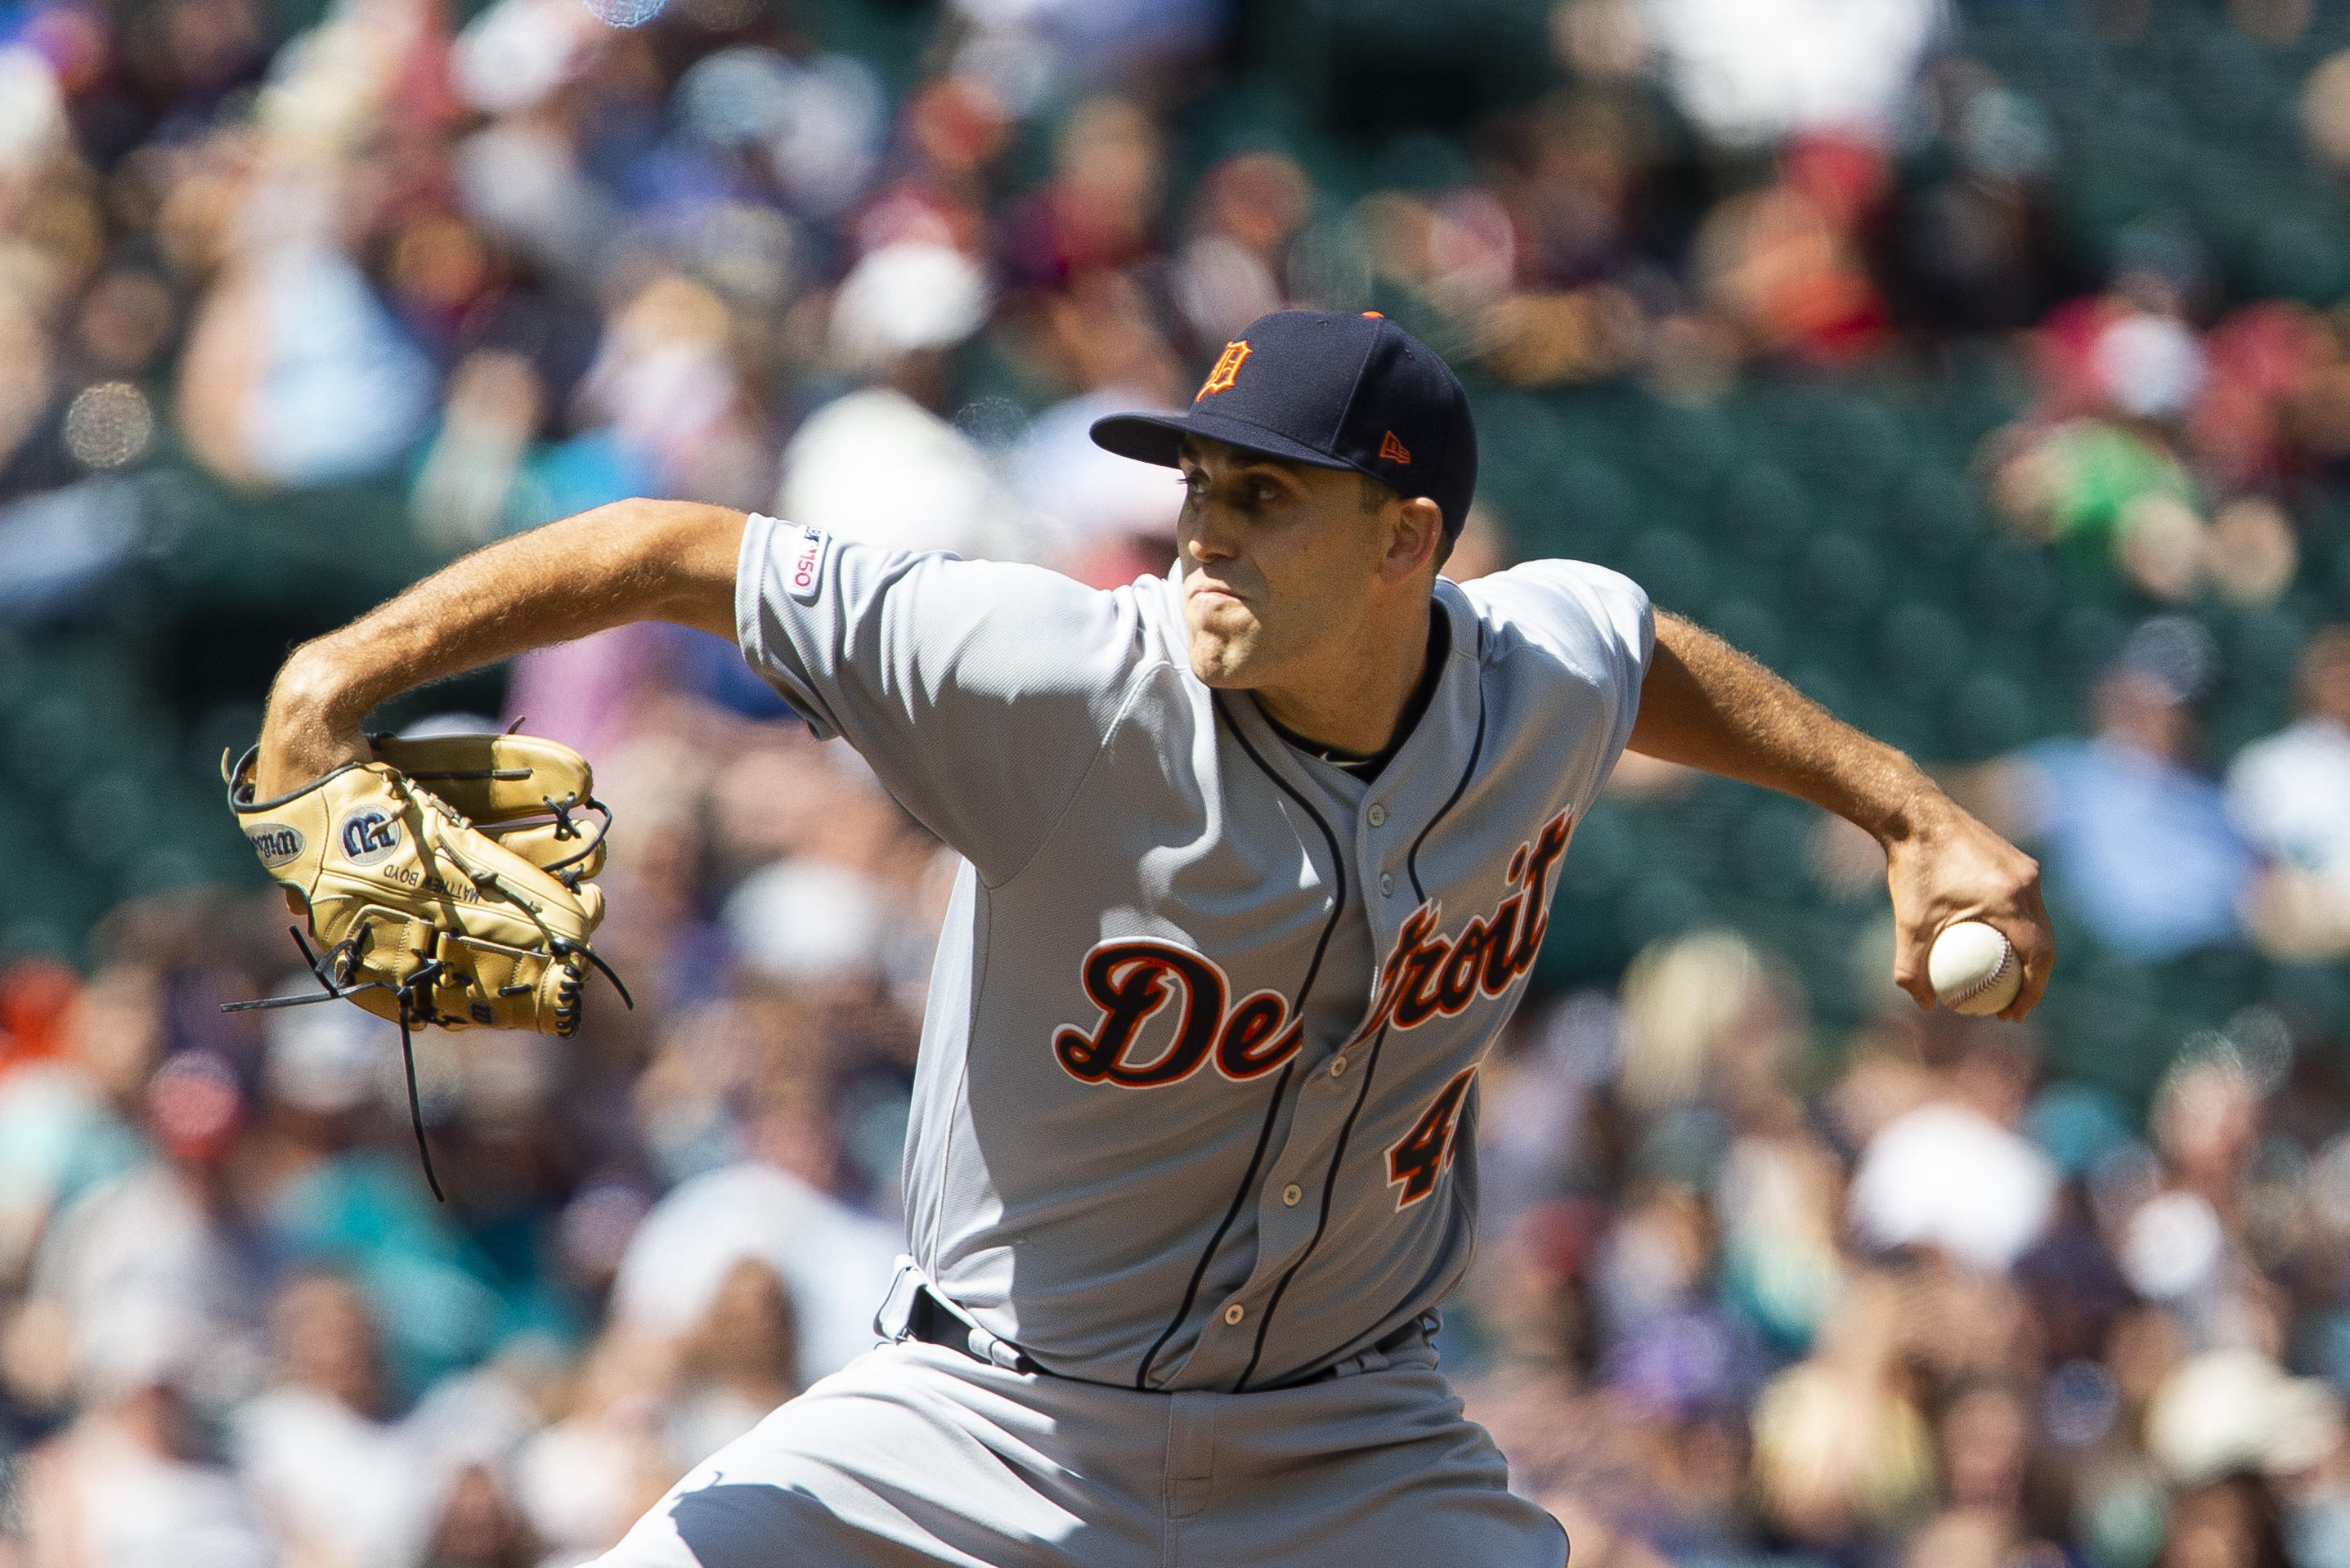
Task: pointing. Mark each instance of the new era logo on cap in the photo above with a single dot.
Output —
(1333, 389)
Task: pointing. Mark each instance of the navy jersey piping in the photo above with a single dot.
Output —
(1280, 1085)
(1322, 1223)
(1476, 749)
(1345, 1133)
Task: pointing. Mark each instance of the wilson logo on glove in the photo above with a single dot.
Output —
(275, 842)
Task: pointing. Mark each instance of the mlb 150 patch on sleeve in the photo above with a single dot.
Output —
(804, 550)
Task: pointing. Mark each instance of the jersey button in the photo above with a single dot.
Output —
(1377, 813)
(1338, 1066)
(1386, 885)
(1291, 1194)
(1234, 1312)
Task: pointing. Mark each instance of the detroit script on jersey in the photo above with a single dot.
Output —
(1197, 1088)
(1425, 976)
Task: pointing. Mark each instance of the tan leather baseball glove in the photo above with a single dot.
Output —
(446, 882)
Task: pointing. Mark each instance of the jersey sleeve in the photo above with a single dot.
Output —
(1596, 622)
(980, 692)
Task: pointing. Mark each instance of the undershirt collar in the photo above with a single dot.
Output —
(1368, 768)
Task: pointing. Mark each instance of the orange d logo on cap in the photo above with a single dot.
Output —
(1228, 368)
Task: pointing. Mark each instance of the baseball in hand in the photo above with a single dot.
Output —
(1974, 969)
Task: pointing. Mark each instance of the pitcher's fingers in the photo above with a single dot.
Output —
(2035, 946)
(1911, 943)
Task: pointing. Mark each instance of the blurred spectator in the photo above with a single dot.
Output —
(835, 1264)
(1783, 265)
(604, 1460)
(1953, 1174)
(365, 1208)
(463, 489)
(1753, 72)
(1028, 47)
(1114, 520)
(1100, 209)
(341, 1474)
(2145, 421)
(1841, 1448)
(1709, 1022)
(334, 1477)
(70, 1123)
(294, 373)
(130, 1479)
(880, 465)
(2117, 488)
(1981, 247)
(2139, 847)
(1118, 523)
(2289, 793)
(1570, 177)
(665, 381)
(1250, 207)
(2108, 462)
(2233, 1413)
(519, 176)
(740, 1363)
(817, 123)
(163, 1240)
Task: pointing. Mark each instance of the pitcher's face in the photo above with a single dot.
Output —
(1279, 563)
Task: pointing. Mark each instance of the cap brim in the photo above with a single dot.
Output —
(1155, 438)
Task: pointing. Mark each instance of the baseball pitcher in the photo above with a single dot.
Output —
(1259, 855)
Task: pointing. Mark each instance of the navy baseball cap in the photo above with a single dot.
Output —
(1331, 388)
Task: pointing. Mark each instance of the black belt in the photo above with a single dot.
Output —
(934, 1322)
(1420, 1327)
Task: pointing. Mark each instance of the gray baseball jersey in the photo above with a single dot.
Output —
(1198, 1084)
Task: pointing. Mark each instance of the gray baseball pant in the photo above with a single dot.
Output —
(914, 1455)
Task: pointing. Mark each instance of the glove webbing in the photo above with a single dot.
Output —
(333, 969)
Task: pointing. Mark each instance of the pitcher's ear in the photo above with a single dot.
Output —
(1417, 539)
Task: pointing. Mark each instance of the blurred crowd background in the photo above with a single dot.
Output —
(1985, 368)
